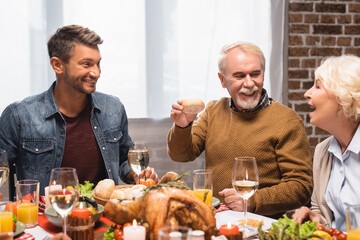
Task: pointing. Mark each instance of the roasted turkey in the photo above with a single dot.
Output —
(177, 207)
(164, 206)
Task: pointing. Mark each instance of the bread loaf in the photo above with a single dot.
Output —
(104, 188)
(124, 193)
(129, 193)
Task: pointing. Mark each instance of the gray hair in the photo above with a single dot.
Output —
(246, 47)
(341, 77)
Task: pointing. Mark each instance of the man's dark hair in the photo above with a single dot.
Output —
(64, 39)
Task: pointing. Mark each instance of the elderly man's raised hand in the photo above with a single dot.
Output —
(180, 118)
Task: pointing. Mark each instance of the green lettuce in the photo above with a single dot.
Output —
(86, 189)
(307, 228)
(286, 228)
(109, 234)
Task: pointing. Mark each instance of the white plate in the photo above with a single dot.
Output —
(20, 227)
(233, 217)
(215, 202)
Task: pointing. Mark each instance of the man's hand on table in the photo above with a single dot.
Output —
(60, 236)
(148, 173)
(6, 235)
(233, 199)
(304, 213)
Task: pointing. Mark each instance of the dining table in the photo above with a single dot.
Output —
(45, 229)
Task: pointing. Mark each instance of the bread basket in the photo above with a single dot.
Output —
(103, 201)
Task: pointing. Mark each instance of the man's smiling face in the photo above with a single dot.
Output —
(83, 69)
(243, 78)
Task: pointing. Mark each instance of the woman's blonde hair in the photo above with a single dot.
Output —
(246, 47)
(341, 77)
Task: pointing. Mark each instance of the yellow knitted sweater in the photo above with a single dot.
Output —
(274, 135)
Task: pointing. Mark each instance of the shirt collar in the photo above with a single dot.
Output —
(94, 102)
(354, 145)
(53, 107)
(263, 103)
(334, 148)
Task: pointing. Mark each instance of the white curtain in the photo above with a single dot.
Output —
(154, 51)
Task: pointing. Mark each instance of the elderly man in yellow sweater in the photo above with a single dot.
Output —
(247, 124)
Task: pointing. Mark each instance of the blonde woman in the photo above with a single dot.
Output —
(335, 100)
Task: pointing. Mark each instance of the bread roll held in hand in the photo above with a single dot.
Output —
(193, 105)
(104, 188)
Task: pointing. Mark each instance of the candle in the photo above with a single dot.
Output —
(197, 235)
(80, 212)
(134, 232)
(229, 229)
(175, 235)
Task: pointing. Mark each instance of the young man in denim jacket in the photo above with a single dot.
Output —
(70, 125)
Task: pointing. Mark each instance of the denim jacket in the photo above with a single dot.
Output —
(33, 133)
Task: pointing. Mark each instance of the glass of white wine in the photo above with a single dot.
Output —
(138, 156)
(4, 167)
(245, 180)
(63, 191)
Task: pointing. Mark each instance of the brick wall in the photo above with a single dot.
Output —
(318, 29)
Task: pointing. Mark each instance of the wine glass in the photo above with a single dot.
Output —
(138, 157)
(245, 180)
(4, 167)
(63, 191)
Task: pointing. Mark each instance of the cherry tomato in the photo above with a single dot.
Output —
(127, 224)
(118, 234)
(342, 236)
(12, 206)
(148, 182)
(331, 231)
(337, 232)
(335, 238)
(14, 227)
(320, 227)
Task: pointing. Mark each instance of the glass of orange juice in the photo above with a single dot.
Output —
(27, 195)
(6, 218)
(203, 185)
(353, 222)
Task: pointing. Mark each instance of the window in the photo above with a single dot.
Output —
(154, 51)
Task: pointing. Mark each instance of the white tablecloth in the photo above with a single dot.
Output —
(221, 219)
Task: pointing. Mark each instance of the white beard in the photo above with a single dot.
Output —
(250, 102)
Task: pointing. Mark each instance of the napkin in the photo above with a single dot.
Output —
(223, 207)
